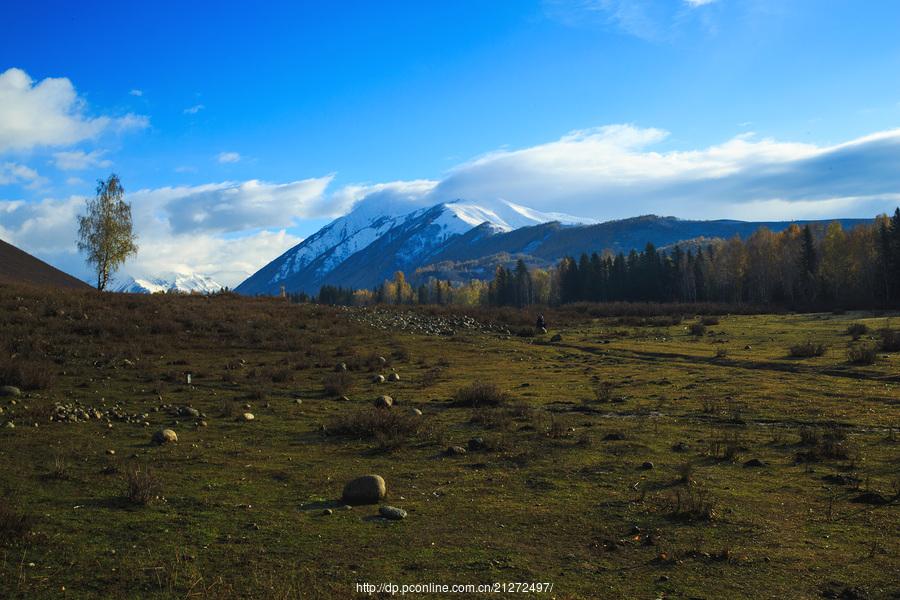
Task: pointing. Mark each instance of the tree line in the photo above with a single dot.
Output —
(805, 267)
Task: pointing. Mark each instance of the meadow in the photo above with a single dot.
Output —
(640, 452)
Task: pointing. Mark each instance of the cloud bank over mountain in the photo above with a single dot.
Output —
(229, 229)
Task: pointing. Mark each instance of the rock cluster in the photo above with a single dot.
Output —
(416, 322)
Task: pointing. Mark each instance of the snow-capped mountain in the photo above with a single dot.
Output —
(378, 238)
(185, 283)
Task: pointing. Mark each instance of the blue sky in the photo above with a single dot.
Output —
(240, 129)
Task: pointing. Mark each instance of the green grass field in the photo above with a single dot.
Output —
(559, 493)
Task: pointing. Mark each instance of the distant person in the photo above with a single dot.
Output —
(541, 323)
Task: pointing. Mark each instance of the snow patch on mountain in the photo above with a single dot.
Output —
(185, 283)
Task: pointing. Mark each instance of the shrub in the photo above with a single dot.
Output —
(26, 374)
(141, 486)
(857, 330)
(807, 349)
(690, 504)
(14, 524)
(480, 394)
(863, 354)
(338, 384)
(59, 469)
(890, 340)
(502, 418)
(698, 329)
(390, 429)
(603, 391)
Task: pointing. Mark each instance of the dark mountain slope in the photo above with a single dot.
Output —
(17, 266)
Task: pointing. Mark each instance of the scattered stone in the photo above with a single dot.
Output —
(454, 451)
(646, 465)
(415, 412)
(384, 402)
(344, 399)
(327, 512)
(298, 401)
(111, 452)
(247, 416)
(378, 379)
(754, 462)
(165, 436)
(202, 424)
(382, 360)
(10, 425)
(748, 347)
(368, 489)
(394, 377)
(188, 411)
(476, 443)
(391, 512)
(10, 391)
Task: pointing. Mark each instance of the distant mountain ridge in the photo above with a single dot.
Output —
(17, 266)
(393, 236)
(366, 246)
(176, 282)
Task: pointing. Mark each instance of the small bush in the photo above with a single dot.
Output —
(59, 469)
(857, 330)
(390, 429)
(14, 524)
(430, 377)
(480, 394)
(698, 329)
(338, 384)
(890, 340)
(141, 486)
(603, 391)
(863, 354)
(502, 418)
(26, 374)
(807, 349)
(690, 504)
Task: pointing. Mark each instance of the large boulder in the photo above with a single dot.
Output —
(384, 402)
(165, 436)
(368, 489)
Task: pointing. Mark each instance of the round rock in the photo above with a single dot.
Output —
(368, 489)
(384, 402)
(392, 512)
(394, 377)
(247, 416)
(378, 379)
(165, 436)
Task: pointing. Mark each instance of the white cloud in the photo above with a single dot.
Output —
(230, 229)
(615, 172)
(137, 93)
(14, 173)
(50, 113)
(228, 157)
(649, 21)
(226, 230)
(78, 160)
(193, 110)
